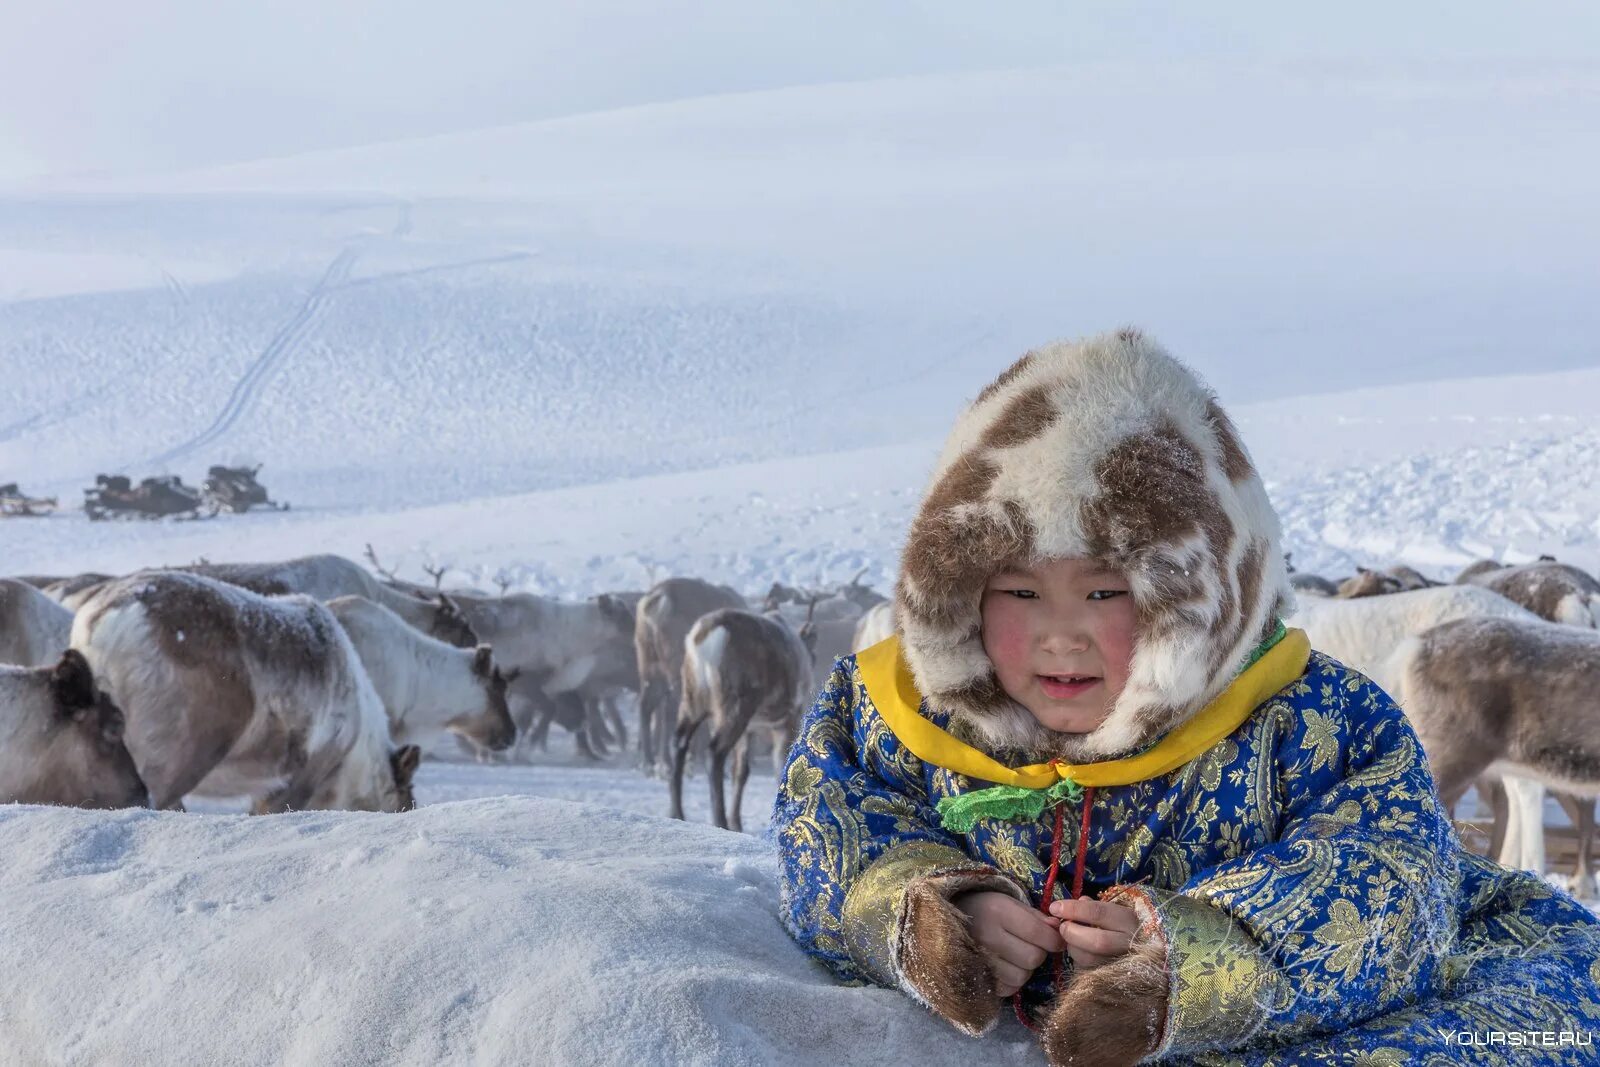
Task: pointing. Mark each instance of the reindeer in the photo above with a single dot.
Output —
(227, 692)
(1313, 585)
(567, 652)
(1365, 633)
(325, 577)
(1410, 578)
(34, 630)
(61, 740)
(1559, 593)
(740, 670)
(1517, 695)
(663, 619)
(1554, 591)
(429, 689)
(1368, 583)
(876, 625)
(833, 619)
(862, 597)
(72, 591)
(1472, 571)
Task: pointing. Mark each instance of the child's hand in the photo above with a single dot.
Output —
(1095, 932)
(1015, 938)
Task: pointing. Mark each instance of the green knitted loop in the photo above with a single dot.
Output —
(1013, 803)
(1279, 632)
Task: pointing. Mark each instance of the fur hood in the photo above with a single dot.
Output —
(1109, 449)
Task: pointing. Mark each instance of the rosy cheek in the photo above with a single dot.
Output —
(1116, 645)
(1005, 635)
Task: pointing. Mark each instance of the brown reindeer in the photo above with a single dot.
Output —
(1368, 583)
(663, 619)
(1559, 593)
(1410, 578)
(1517, 695)
(740, 670)
(227, 693)
(1551, 590)
(61, 740)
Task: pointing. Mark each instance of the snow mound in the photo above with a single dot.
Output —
(508, 930)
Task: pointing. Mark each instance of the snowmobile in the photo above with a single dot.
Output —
(115, 497)
(14, 502)
(235, 489)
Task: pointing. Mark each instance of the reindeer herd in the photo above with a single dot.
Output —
(313, 683)
(1499, 673)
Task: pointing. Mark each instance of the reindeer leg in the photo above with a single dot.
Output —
(1493, 791)
(1581, 811)
(719, 810)
(741, 774)
(539, 735)
(595, 724)
(647, 697)
(667, 729)
(614, 716)
(783, 736)
(680, 753)
(730, 732)
(1525, 834)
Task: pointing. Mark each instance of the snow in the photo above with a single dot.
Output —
(722, 337)
(442, 935)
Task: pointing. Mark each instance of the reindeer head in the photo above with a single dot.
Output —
(91, 764)
(1368, 583)
(862, 596)
(808, 629)
(403, 766)
(449, 623)
(782, 594)
(616, 611)
(492, 727)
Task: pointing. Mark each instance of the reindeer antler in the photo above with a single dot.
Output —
(502, 580)
(372, 558)
(811, 608)
(437, 574)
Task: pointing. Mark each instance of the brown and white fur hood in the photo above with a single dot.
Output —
(1107, 449)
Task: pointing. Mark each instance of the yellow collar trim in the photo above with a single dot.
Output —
(893, 691)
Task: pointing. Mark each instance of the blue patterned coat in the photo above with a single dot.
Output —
(1315, 900)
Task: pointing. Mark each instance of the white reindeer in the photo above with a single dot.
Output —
(34, 630)
(875, 626)
(433, 692)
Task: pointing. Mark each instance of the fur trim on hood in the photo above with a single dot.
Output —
(1106, 449)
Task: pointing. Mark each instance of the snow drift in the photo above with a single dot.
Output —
(509, 930)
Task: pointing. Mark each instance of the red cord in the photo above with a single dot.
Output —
(1050, 887)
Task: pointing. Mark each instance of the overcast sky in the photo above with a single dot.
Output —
(114, 85)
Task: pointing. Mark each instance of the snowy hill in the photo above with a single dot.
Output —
(721, 336)
(506, 931)
(740, 278)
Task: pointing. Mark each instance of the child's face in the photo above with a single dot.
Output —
(1060, 636)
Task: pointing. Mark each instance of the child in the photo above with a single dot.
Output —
(1095, 774)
